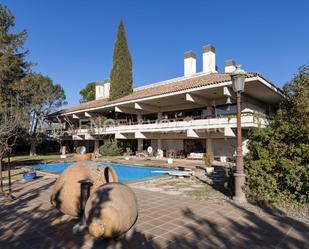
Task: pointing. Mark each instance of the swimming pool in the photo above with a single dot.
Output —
(124, 172)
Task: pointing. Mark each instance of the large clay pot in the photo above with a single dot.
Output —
(111, 210)
(66, 192)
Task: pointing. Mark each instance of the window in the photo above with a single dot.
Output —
(225, 109)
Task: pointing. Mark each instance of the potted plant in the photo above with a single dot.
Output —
(29, 175)
(208, 160)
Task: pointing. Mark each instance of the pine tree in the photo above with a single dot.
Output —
(40, 97)
(88, 93)
(12, 56)
(121, 74)
(13, 68)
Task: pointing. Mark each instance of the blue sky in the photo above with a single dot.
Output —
(72, 40)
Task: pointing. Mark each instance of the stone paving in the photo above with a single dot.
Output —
(165, 221)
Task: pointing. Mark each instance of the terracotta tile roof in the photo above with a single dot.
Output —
(158, 89)
(86, 105)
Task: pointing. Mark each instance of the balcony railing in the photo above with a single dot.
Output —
(181, 123)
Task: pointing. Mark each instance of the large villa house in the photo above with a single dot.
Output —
(183, 117)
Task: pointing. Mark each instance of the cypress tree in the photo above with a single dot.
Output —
(121, 74)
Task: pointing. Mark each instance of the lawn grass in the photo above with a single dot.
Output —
(22, 160)
(16, 174)
(26, 159)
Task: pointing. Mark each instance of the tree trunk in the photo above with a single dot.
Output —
(9, 175)
(33, 136)
(33, 146)
(1, 180)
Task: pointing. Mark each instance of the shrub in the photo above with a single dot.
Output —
(275, 170)
(208, 159)
(128, 152)
(277, 165)
(110, 148)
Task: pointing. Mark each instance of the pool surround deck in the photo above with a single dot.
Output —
(165, 221)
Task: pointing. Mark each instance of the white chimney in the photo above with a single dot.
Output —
(189, 63)
(229, 66)
(99, 89)
(107, 87)
(102, 90)
(209, 59)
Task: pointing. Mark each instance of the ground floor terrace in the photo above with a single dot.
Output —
(223, 149)
(176, 139)
(165, 221)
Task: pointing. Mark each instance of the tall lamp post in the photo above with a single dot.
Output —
(238, 82)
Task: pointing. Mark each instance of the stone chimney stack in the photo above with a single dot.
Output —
(229, 66)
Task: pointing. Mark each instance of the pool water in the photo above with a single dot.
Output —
(124, 172)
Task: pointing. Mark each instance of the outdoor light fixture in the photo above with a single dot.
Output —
(238, 83)
(238, 79)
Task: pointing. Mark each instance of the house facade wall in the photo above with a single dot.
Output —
(204, 116)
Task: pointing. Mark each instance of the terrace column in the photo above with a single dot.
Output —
(159, 115)
(209, 145)
(139, 118)
(96, 147)
(139, 145)
(75, 146)
(159, 148)
(159, 144)
(209, 110)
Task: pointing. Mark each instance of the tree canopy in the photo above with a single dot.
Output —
(40, 97)
(121, 73)
(25, 98)
(88, 93)
(13, 66)
(277, 166)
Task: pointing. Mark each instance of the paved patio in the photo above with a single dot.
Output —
(165, 221)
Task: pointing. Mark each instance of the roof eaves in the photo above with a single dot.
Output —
(131, 96)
